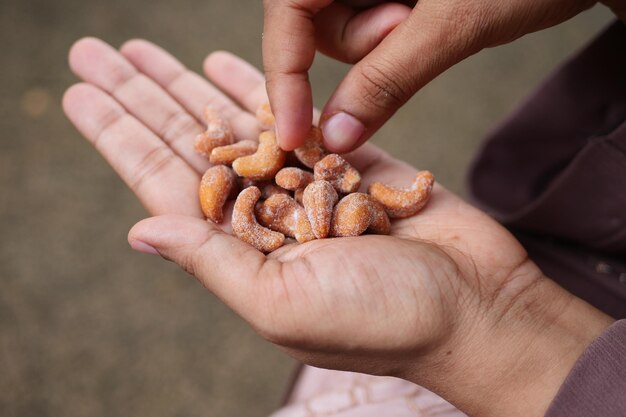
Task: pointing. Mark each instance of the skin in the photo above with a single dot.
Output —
(396, 49)
(450, 298)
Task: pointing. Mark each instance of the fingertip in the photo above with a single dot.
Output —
(152, 60)
(342, 132)
(135, 47)
(80, 50)
(223, 65)
(216, 59)
(157, 230)
(292, 135)
(99, 63)
(75, 97)
(139, 241)
(85, 42)
(136, 232)
(139, 246)
(69, 97)
(167, 234)
(217, 62)
(285, 137)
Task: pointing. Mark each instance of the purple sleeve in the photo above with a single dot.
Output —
(554, 173)
(596, 386)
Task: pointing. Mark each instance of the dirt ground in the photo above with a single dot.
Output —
(88, 327)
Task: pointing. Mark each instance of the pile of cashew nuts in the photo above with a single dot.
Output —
(306, 194)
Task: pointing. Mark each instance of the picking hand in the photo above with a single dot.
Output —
(449, 300)
(395, 49)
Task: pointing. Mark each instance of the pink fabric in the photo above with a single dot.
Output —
(321, 392)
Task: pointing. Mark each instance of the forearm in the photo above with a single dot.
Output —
(513, 362)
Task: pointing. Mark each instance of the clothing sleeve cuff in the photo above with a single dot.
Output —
(596, 385)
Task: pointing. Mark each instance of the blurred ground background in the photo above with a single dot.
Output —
(89, 328)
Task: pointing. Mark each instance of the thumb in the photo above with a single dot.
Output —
(226, 266)
(424, 45)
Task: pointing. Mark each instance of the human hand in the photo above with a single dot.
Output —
(449, 300)
(395, 50)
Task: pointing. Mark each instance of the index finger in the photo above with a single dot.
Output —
(288, 53)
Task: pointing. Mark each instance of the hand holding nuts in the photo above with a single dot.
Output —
(295, 202)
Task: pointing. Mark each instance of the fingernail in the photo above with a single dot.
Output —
(342, 132)
(143, 247)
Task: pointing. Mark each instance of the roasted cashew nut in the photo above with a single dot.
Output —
(401, 203)
(357, 213)
(265, 162)
(336, 170)
(217, 184)
(218, 133)
(319, 198)
(226, 155)
(313, 149)
(265, 117)
(283, 214)
(293, 179)
(245, 226)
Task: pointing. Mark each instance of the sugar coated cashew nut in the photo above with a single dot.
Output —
(313, 149)
(314, 211)
(319, 198)
(217, 184)
(401, 203)
(265, 162)
(283, 214)
(357, 213)
(245, 226)
(265, 116)
(339, 173)
(218, 133)
(225, 155)
(292, 178)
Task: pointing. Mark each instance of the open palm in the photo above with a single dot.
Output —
(369, 303)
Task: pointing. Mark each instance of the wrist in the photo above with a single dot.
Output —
(515, 354)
